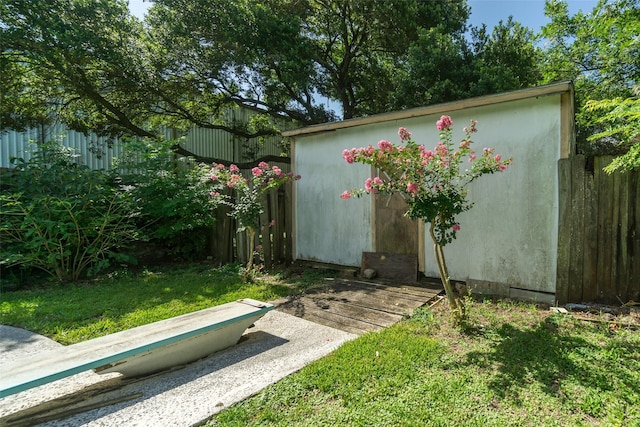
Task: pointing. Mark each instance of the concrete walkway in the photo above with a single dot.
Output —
(277, 346)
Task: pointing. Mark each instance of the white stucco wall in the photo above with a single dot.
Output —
(328, 228)
(509, 236)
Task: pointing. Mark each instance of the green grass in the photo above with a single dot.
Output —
(77, 312)
(519, 366)
(512, 365)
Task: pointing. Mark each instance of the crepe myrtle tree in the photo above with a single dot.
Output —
(245, 200)
(433, 183)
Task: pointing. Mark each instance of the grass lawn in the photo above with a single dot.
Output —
(521, 367)
(72, 313)
(516, 366)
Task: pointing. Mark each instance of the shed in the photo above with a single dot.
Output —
(508, 242)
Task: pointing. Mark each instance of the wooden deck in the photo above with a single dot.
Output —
(359, 306)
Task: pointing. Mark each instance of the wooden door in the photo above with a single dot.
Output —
(393, 231)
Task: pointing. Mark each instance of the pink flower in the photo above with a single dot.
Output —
(233, 181)
(272, 223)
(214, 194)
(465, 143)
(426, 155)
(345, 195)
(277, 171)
(456, 227)
(377, 181)
(234, 169)
(502, 167)
(412, 188)
(263, 165)
(385, 145)
(256, 171)
(472, 128)
(442, 149)
(472, 157)
(348, 156)
(497, 157)
(367, 185)
(214, 177)
(368, 152)
(444, 123)
(404, 134)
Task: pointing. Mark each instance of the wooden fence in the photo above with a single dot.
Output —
(273, 243)
(599, 234)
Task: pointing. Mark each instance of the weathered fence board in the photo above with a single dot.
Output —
(272, 240)
(599, 235)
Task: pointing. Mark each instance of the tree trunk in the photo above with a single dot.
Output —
(455, 303)
(250, 249)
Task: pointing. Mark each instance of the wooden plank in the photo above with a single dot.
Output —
(241, 246)
(222, 236)
(621, 282)
(605, 229)
(381, 299)
(576, 226)
(277, 213)
(634, 202)
(567, 125)
(611, 291)
(289, 222)
(265, 231)
(410, 291)
(590, 242)
(402, 267)
(352, 311)
(564, 232)
(392, 230)
(323, 317)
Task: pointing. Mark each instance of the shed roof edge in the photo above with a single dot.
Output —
(550, 89)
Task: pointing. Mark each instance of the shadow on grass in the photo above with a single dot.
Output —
(553, 352)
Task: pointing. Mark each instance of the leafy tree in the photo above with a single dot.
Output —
(97, 68)
(279, 54)
(90, 64)
(622, 121)
(77, 60)
(600, 52)
(444, 67)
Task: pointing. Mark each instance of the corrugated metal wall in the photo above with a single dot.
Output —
(98, 152)
(92, 150)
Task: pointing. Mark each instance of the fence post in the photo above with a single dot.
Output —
(265, 231)
(564, 232)
(590, 243)
(576, 225)
(288, 222)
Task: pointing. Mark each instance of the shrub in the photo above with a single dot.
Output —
(61, 217)
(172, 194)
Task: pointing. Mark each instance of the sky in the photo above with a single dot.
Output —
(529, 13)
